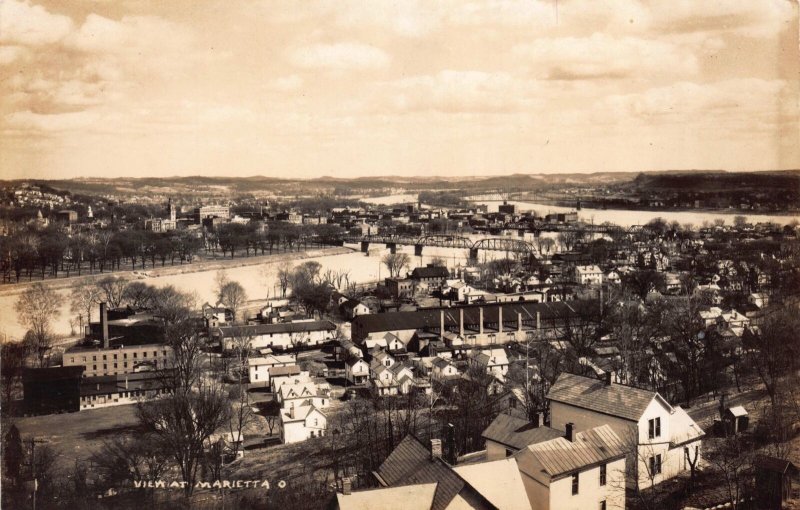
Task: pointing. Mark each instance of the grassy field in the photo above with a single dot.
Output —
(76, 435)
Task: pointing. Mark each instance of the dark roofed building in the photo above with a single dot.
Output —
(618, 400)
(508, 434)
(52, 390)
(432, 275)
(411, 463)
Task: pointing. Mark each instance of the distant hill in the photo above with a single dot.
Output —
(719, 181)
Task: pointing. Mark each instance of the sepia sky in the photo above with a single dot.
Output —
(351, 88)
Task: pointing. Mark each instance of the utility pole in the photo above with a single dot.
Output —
(33, 441)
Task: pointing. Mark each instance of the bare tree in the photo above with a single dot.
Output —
(113, 290)
(395, 263)
(12, 360)
(139, 295)
(284, 274)
(120, 460)
(36, 308)
(733, 460)
(84, 298)
(233, 296)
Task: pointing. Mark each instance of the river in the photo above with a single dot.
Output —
(259, 280)
(627, 218)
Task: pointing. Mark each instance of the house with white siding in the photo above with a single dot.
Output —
(662, 439)
(302, 422)
(581, 470)
(259, 367)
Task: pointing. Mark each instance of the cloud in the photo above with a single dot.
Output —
(603, 56)
(287, 83)
(741, 100)
(339, 56)
(451, 91)
(761, 19)
(32, 25)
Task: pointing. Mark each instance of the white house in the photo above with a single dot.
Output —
(352, 308)
(582, 470)
(356, 371)
(383, 380)
(663, 440)
(287, 375)
(281, 336)
(301, 423)
(494, 361)
(758, 299)
(304, 394)
(613, 277)
(443, 369)
(259, 367)
(587, 275)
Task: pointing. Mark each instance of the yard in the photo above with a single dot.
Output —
(75, 436)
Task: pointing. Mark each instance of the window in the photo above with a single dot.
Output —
(125, 355)
(94, 367)
(104, 357)
(94, 358)
(134, 355)
(512, 402)
(115, 365)
(144, 354)
(125, 365)
(155, 353)
(655, 465)
(602, 474)
(575, 483)
(72, 360)
(105, 366)
(654, 428)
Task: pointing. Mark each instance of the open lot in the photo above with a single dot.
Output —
(75, 436)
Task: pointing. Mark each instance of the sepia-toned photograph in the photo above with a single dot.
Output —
(400, 254)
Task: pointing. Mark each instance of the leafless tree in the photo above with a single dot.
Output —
(84, 298)
(113, 290)
(733, 460)
(233, 296)
(395, 263)
(284, 274)
(241, 413)
(36, 308)
(139, 295)
(120, 460)
(12, 360)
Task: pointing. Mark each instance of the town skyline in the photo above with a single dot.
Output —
(396, 89)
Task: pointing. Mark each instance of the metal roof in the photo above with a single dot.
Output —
(285, 327)
(560, 456)
(590, 393)
(517, 433)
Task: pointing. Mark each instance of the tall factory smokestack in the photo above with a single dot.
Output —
(104, 324)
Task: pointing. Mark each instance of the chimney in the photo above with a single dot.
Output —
(519, 322)
(499, 319)
(126, 382)
(537, 420)
(450, 444)
(441, 324)
(461, 322)
(569, 433)
(480, 320)
(291, 411)
(538, 321)
(347, 485)
(607, 376)
(104, 324)
(436, 449)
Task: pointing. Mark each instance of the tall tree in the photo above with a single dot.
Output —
(396, 263)
(36, 308)
(233, 296)
(113, 290)
(85, 297)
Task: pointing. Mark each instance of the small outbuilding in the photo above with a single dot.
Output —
(773, 481)
(735, 420)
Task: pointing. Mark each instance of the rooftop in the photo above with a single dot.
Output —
(591, 393)
(517, 433)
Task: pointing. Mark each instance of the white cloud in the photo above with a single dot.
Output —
(603, 56)
(28, 24)
(339, 56)
(452, 91)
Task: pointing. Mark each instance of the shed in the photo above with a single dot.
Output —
(735, 419)
(773, 481)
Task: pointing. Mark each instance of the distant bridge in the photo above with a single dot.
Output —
(506, 244)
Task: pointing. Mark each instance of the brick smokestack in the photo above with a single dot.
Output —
(480, 320)
(519, 322)
(538, 321)
(104, 324)
(441, 324)
(461, 322)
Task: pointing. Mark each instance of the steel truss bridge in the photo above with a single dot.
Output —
(506, 244)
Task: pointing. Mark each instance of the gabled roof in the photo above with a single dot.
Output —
(560, 456)
(408, 497)
(498, 481)
(351, 304)
(440, 362)
(683, 428)
(517, 433)
(410, 463)
(615, 399)
(430, 272)
(287, 370)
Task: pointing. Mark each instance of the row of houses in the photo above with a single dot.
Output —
(601, 439)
